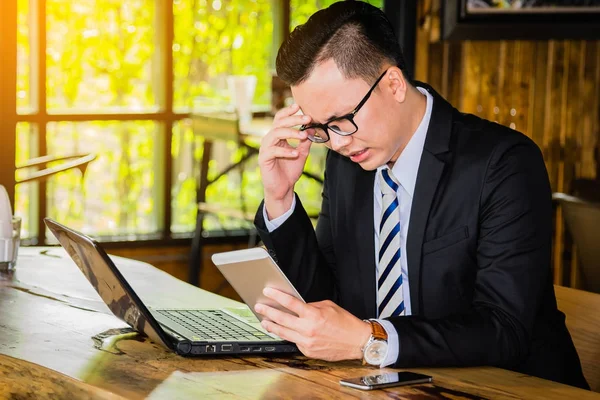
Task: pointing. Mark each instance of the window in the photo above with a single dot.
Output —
(214, 39)
(99, 56)
(118, 79)
(300, 10)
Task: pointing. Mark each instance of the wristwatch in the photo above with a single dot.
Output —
(375, 350)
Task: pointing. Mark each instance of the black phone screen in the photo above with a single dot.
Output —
(386, 380)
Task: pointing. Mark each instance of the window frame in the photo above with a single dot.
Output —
(165, 115)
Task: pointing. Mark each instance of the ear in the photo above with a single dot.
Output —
(396, 83)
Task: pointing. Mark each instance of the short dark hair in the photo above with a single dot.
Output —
(356, 35)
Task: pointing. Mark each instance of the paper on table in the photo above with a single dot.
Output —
(6, 225)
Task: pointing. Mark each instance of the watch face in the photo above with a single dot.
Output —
(375, 352)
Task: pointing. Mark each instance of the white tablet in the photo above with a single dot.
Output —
(249, 271)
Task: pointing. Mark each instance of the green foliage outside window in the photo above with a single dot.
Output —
(99, 58)
(214, 39)
(99, 55)
(23, 57)
(102, 57)
(301, 10)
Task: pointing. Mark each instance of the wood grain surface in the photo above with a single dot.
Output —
(23, 380)
(52, 317)
(583, 320)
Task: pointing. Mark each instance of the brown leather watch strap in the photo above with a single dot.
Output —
(377, 331)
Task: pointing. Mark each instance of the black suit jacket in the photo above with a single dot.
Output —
(478, 251)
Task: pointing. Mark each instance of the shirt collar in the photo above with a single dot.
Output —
(406, 167)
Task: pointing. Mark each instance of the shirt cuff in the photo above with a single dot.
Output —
(277, 222)
(393, 343)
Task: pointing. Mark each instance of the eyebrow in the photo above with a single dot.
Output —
(328, 120)
(334, 116)
(313, 121)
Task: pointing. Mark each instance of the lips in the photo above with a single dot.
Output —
(356, 153)
(359, 156)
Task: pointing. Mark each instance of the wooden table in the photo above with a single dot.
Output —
(58, 340)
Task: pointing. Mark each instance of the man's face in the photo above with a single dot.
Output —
(327, 94)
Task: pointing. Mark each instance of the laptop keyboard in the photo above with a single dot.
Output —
(214, 325)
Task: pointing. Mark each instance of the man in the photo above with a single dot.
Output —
(435, 225)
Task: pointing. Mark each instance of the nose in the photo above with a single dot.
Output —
(338, 142)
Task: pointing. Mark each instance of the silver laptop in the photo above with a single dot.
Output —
(188, 332)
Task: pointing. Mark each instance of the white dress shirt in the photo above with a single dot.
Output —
(405, 170)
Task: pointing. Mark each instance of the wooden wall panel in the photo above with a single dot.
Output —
(554, 139)
(453, 77)
(469, 101)
(423, 39)
(489, 79)
(536, 111)
(590, 100)
(507, 59)
(549, 90)
(436, 63)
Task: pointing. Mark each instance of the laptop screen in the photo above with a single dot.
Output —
(104, 276)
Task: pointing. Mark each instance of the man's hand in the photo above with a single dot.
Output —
(280, 163)
(322, 330)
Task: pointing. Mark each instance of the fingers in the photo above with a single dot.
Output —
(283, 332)
(279, 317)
(278, 135)
(304, 146)
(293, 120)
(284, 120)
(287, 301)
(288, 117)
(286, 112)
(275, 152)
(275, 143)
(282, 324)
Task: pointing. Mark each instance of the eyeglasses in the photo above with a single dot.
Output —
(344, 125)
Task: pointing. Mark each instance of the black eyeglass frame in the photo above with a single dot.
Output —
(350, 117)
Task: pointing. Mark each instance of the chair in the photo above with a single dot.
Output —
(79, 161)
(583, 222)
(586, 189)
(223, 126)
(583, 321)
(217, 126)
(63, 163)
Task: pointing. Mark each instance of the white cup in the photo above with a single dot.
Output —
(241, 89)
(9, 246)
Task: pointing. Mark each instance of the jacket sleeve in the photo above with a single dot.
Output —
(306, 256)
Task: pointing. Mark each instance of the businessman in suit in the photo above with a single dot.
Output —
(432, 247)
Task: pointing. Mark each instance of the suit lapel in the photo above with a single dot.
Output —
(365, 232)
(430, 172)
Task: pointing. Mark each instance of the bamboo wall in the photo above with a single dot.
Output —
(549, 90)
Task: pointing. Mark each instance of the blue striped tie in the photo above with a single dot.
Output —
(389, 286)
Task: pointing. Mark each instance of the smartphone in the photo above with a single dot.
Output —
(371, 382)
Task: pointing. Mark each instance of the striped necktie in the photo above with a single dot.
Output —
(389, 285)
